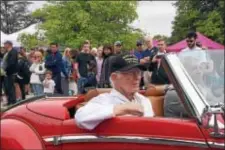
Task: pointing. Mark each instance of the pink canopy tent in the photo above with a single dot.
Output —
(155, 42)
(203, 39)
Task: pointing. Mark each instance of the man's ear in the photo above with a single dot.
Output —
(113, 76)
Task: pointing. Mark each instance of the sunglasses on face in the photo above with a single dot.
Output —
(139, 45)
(189, 41)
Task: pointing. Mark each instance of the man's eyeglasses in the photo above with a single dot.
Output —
(189, 41)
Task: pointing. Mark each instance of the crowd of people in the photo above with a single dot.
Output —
(75, 71)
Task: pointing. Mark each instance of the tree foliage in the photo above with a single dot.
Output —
(15, 16)
(205, 16)
(163, 37)
(71, 22)
(32, 40)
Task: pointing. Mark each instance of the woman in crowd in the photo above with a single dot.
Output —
(23, 75)
(104, 78)
(94, 51)
(37, 77)
(99, 60)
(67, 64)
(2, 73)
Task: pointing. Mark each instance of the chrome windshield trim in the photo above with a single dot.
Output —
(195, 99)
(217, 145)
(124, 139)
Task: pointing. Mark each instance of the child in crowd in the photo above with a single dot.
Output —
(49, 84)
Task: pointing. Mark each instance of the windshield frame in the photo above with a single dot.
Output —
(189, 94)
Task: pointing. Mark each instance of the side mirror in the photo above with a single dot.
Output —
(214, 118)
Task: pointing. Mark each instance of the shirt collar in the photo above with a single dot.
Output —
(116, 93)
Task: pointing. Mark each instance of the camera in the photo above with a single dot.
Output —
(159, 56)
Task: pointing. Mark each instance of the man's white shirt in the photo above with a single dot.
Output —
(196, 53)
(101, 107)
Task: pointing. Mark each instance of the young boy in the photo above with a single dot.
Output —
(49, 84)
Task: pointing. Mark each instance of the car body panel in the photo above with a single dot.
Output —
(14, 137)
(161, 131)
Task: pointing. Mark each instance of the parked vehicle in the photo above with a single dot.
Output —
(48, 122)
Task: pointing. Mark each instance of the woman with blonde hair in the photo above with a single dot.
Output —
(67, 64)
(37, 77)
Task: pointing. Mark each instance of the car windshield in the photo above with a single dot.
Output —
(206, 70)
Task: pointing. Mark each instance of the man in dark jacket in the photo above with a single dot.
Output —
(159, 75)
(10, 63)
(54, 63)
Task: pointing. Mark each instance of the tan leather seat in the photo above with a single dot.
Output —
(154, 93)
(91, 94)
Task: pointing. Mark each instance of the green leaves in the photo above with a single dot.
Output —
(205, 16)
(72, 22)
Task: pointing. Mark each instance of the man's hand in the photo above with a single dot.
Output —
(154, 60)
(129, 109)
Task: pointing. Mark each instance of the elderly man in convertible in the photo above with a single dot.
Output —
(123, 99)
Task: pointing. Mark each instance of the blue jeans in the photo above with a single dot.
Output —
(37, 89)
(81, 83)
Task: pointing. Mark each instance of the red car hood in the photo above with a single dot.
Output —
(52, 107)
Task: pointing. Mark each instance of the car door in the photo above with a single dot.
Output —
(134, 133)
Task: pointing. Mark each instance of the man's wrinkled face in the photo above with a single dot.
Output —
(54, 48)
(161, 46)
(191, 42)
(128, 81)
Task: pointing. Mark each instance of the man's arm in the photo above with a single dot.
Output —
(93, 113)
(63, 67)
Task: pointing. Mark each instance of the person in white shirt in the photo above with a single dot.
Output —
(37, 69)
(191, 40)
(49, 84)
(123, 99)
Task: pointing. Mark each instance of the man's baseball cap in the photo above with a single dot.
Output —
(123, 63)
(139, 42)
(8, 42)
(118, 43)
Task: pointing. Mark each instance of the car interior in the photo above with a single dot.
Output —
(154, 93)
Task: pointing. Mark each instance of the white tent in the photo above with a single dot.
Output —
(13, 37)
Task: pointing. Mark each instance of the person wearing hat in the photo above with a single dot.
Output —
(123, 99)
(139, 51)
(9, 64)
(117, 47)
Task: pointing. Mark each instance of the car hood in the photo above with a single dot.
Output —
(51, 107)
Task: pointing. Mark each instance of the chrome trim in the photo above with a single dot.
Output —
(217, 145)
(124, 139)
(60, 97)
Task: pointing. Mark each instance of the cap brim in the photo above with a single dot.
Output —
(139, 66)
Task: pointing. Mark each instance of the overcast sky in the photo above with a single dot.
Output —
(154, 17)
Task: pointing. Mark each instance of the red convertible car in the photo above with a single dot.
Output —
(47, 123)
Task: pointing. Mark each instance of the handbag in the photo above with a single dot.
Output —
(41, 76)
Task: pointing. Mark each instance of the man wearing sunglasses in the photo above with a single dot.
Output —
(123, 99)
(191, 40)
(199, 54)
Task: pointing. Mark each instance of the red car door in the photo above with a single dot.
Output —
(134, 133)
